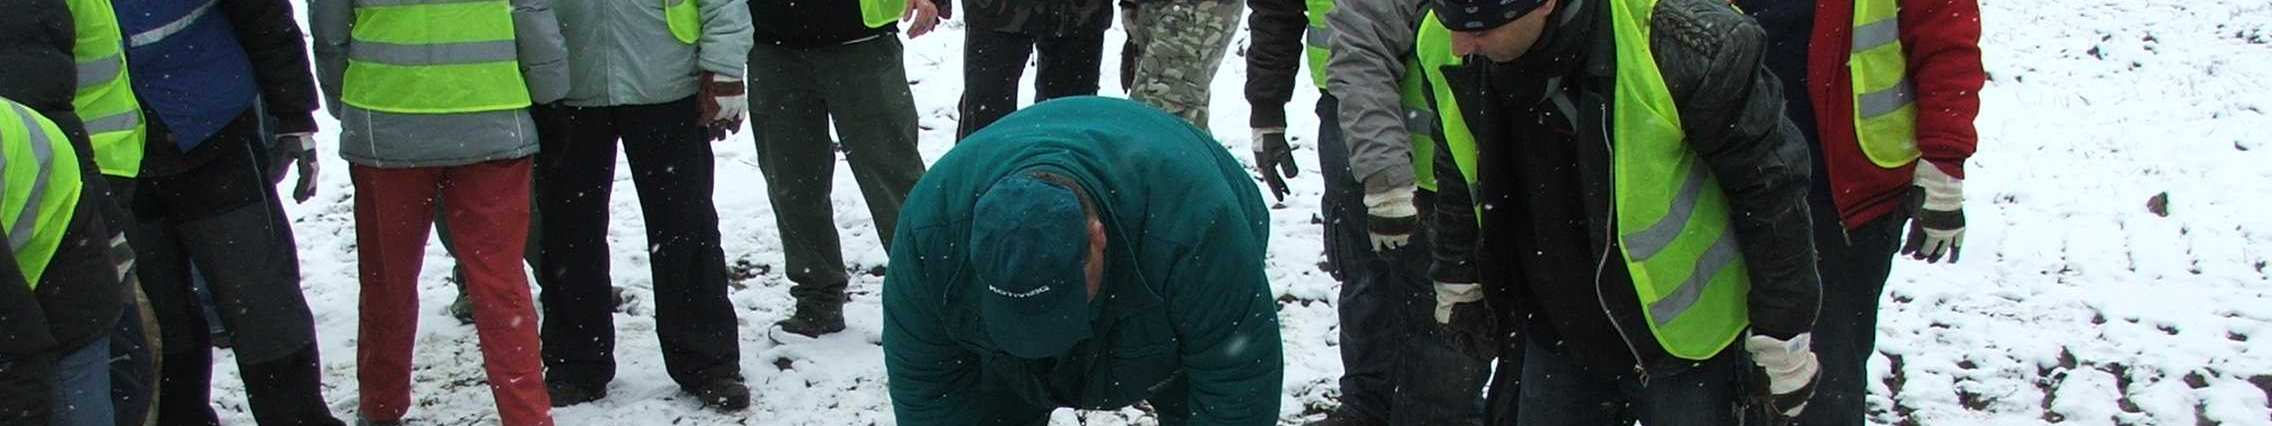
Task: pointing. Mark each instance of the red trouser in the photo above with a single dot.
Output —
(488, 207)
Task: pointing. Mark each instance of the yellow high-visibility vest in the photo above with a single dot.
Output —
(1885, 105)
(105, 100)
(39, 187)
(426, 57)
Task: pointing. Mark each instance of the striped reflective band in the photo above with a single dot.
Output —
(1876, 34)
(433, 54)
(20, 233)
(1645, 244)
(100, 72)
(1319, 36)
(155, 35)
(1720, 256)
(119, 122)
(1886, 101)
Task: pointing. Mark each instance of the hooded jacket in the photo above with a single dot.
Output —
(1541, 127)
(1185, 318)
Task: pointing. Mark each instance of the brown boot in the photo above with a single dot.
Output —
(815, 319)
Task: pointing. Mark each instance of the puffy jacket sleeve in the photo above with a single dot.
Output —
(36, 67)
(1732, 110)
(1274, 60)
(1943, 38)
(271, 38)
(726, 36)
(1371, 41)
(1452, 225)
(932, 380)
(543, 51)
(329, 23)
(1227, 323)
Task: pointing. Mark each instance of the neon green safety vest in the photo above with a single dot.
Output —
(1433, 45)
(1885, 106)
(879, 13)
(428, 57)
(1419, 119)
(39, 187)
(1672, 216)
(105, 100)
(685, 17)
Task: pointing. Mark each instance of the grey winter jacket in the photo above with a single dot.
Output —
(621, 52)
(391, 140)
(1371, 41)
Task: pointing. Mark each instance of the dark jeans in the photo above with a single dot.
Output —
(1397, 367)
(224, 217)
(1557, 391)
(993, 62)
(1854, 265)
(671, 165)
(794, 95)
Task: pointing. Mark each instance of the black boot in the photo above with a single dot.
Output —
(565, 394)
(288, 390)
(722, 394)
(815, 319)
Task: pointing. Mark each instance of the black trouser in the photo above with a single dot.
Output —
(1854, 265)
(1397, 367)
(224, 217)
(671, 164)
(993, 62)
(1559, 390)
(794, 95)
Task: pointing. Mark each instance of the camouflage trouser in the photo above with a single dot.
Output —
(1179, 44)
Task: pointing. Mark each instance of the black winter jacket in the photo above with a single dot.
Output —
(1036, 17)
(1274, 58)
(1545, 118)
(36, 67)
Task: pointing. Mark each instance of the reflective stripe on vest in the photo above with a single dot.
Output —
(685, 18)
(434, 57)
(155, 35)
(878, 13)
(40, 188)
(1433, 45)
(1317, 42)
(1885, 106)
(1671, 214)
(105, 99)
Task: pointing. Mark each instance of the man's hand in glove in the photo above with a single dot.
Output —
(1790, 370)
(1463, 314)
(1391, 218)
(1275, 159)
(723, 100)
(294, 149)
(1938, 200)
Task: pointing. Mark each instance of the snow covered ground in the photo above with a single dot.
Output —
(2074, 304)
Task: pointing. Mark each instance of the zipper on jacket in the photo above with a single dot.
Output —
(1601, 266)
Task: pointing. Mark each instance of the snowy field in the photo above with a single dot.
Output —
(2076, 304)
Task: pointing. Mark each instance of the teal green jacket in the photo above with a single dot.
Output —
(1185, 318)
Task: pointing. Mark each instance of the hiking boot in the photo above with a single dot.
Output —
(722, 394)
(566, 394)
(462, 309)
(815, 319)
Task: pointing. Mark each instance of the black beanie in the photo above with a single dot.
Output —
(1479, 15)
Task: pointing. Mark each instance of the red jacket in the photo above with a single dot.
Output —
(1943, 42)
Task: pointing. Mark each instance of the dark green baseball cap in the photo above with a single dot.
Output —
(1028, 243)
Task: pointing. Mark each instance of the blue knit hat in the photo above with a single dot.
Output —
(1479, 15)
(1028, 243)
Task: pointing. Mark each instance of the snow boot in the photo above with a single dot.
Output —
(288, 390)
(815, 319)
(725, 394)
(566, 394)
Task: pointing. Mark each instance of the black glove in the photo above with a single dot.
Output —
(294, 149)
(1273, 157)
(1467, 319)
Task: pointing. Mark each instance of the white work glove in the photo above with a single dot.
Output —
(1467, 319)
(1450, 295)
(1938, 201)
(1790, 368)
(1391, 218)
(723, 100)
(295, 149)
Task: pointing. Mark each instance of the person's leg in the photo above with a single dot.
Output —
(1185, 47)
(134, 360)
(671, 163)
(393, 208)
(238, 235)
(1501, 406)
(1068, 66)
(1704, 395)
(875, 113)
(27, 388)
(577, 162)
(1132, 21)
(490, 203)
(1436, 382)
(185, 356)
(1368, 359)
(1556, 391)
(1854, 267)
(82, 391)
(789, 121)
(992, 64)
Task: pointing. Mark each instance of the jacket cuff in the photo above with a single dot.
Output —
(1390, 179)
(1266, 115)
(295, 122)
